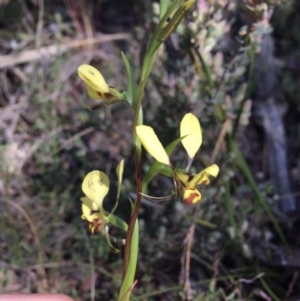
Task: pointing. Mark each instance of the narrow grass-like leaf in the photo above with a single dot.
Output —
(206, 70)
(164, 4)
(229, 207)
(242, 165)
(124, 294)
(174, 19)
(268, 289)
(131, 83)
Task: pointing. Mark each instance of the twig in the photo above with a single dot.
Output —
(216, 268)
(187, 261)
(220, 139)
(39, 26)
(251, 280)
(296, 274)
(73, 138)
(37, 54)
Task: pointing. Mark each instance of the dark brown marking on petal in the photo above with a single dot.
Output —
(95, 225)
(100, 94)
(108, 95)
(191, 197)
(91, 72)
(112, 87)
(190, 177)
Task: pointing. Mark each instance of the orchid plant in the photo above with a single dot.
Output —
(96, 183)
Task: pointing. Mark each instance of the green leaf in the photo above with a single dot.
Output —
(164, 4)
(167, 171)
(131, 83)
(155, 42)
(244, 168)
(127, 283)
(151, 173)
(207, 71)
(174, 17)
(117, 222)
(170, 148)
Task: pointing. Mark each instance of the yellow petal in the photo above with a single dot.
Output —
(89, 215)
(187, 4)
(89, 203)
(184, 178)
(191, 195)
(93, 78)
(95, 186)
(107, 96)
(202, 177)
(190, 127)
(94, 94)
(152, 144)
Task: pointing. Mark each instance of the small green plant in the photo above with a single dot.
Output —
(96, 183)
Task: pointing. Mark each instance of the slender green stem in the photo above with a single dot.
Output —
(137, 157)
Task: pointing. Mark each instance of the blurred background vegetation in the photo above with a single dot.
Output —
(235, 64)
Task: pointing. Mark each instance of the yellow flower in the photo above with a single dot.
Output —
(93, 79)
(191, 135)
(96, 186)
(97, 87)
